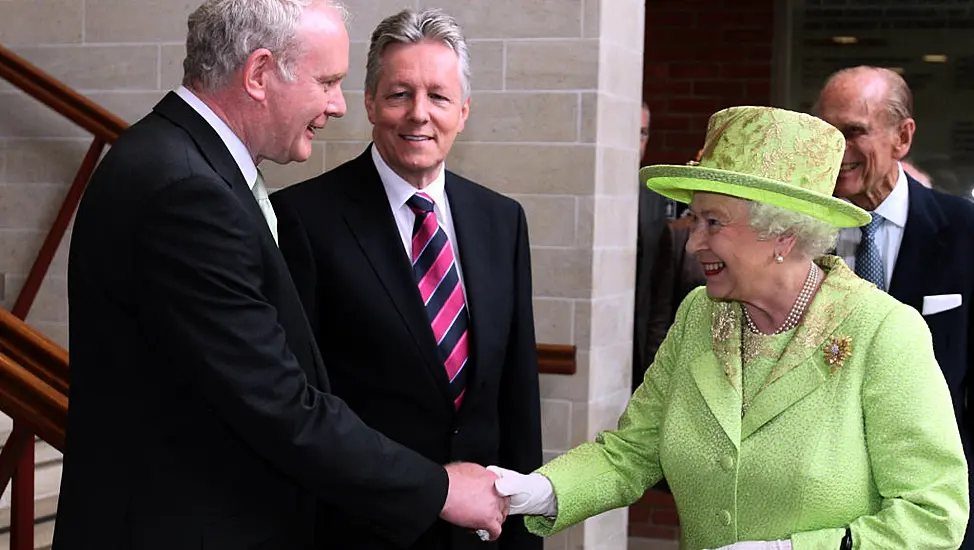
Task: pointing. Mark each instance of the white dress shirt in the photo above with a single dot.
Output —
(398, 192)
(894, 210)
(239, 153)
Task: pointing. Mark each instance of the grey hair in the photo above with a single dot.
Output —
(813, 237)
(899, 98)
(223, 33)
(412, 27)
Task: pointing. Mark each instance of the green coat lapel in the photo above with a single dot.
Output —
(802, 367)
(718, 375)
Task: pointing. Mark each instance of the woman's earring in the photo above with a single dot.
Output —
(779, 258)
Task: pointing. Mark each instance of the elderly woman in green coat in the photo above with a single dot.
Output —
(792, 404)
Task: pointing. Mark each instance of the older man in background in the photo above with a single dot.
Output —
(919, 246)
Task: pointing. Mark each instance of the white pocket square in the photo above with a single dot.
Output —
(940, 302)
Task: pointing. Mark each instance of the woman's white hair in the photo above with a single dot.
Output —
(223, 33)
(813, 237)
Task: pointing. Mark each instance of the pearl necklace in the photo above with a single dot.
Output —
(797, 310)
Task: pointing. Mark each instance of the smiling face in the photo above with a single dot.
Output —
(418, 109)
(300, 107)
(856, 104)
(734, 260)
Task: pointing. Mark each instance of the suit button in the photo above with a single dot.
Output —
(727, 463)
(456, 431)
(725, 517)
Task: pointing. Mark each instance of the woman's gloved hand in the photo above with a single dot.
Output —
(531, 495)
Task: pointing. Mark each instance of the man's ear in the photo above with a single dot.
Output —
(257, 70)
(464, 113)
(904, 138)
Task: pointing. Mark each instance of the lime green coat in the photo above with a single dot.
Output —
(854, 429)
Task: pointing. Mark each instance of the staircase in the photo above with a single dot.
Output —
(33, 389)
(33, 369)
(47, 478)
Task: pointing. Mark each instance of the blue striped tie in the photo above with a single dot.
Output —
(869, 260)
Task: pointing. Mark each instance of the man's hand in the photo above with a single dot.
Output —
(472, 501)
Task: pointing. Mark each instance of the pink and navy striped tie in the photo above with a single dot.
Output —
(435, 270)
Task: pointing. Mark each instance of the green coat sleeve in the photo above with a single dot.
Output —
(620, 465)
(915, 456)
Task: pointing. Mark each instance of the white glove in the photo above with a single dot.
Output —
(531, 495)
(759, 545)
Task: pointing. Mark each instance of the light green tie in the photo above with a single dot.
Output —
(260, 193)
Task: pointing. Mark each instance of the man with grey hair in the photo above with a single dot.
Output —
(201, 414)
(417, 281)
(919, 245)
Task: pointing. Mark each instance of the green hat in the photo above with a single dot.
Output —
(767, 155)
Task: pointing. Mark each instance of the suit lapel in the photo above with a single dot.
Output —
(801, 368)
(718, 375)
(921, 249)
(474, 234)
(218, 156)
(207, 140)
(209, 143)
(371, 223)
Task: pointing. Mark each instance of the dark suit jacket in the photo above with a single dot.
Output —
(937, 257)
(675, 273)
(199, 413)
(653, 216)
(346, 256)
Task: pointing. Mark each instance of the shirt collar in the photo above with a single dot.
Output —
(399, 190)
(236, 147)
(896, 206)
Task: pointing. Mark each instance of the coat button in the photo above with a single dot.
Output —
(725, 517)
(456, 431)
(727, 463)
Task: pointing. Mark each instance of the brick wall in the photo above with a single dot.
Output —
(700, 56)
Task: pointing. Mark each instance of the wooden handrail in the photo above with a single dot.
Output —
(556, 359)
(59, 97)
(34, 352)
(28, 399)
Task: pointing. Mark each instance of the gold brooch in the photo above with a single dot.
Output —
(837, 350)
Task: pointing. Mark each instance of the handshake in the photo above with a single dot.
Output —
(481, 498)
